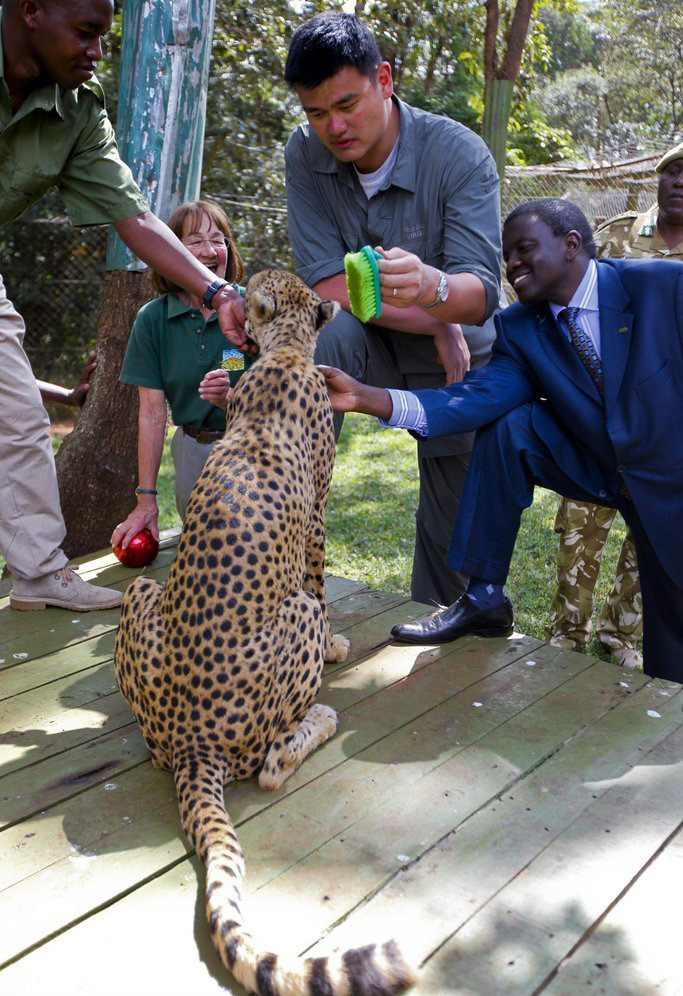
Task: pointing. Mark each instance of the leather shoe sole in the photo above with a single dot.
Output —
(456, 620)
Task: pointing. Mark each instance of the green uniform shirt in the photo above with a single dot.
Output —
(171, 347)
(63, 138)
(440, 201)
(634, 236)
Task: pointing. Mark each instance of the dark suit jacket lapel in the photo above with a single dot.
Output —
(561, 353)
(616, 323)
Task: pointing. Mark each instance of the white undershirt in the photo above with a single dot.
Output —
(371, 182)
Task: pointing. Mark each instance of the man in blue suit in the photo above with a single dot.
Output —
(582, 395)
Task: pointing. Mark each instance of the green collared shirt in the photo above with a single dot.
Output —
(63, 138)
(440, 202)
(171, 347)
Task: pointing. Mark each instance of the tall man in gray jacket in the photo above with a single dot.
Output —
(367, 168)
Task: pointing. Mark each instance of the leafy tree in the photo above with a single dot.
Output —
(642, 61)
(574, 40)
(627, 92)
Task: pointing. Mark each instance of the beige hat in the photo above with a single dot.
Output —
(668, 157)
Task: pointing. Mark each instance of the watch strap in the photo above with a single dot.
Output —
(212, 289)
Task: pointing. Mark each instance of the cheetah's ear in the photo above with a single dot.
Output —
(326, 312)
(265, 305)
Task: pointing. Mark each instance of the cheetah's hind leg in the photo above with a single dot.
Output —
(138, 657)
(291, 747)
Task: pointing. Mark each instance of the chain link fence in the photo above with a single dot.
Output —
(600, 191)
(53, 272)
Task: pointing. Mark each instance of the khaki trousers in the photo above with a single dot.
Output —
(189, 457)
(31, 524)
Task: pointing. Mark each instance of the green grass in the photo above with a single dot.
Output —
(370, 523)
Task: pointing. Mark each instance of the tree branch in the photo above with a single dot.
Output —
(490, 40)
(516, 39)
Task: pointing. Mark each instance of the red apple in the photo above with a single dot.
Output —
(141, 550)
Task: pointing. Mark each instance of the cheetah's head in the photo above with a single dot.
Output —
(280, 309)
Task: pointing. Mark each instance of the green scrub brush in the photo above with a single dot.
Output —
(362, 283)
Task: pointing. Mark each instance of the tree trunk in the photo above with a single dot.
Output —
(494, 128)
(97, 462)
(501, 77)
(162, 104)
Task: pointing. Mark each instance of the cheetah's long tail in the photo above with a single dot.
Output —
(374, 970)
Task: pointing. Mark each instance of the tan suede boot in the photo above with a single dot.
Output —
(64, 589)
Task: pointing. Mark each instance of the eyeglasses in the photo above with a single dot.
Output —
(194, 242)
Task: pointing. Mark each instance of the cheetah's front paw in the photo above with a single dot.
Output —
(337, 649)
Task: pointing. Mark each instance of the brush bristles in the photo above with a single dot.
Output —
(361, 287)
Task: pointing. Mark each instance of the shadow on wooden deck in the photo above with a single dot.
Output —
(510, 812)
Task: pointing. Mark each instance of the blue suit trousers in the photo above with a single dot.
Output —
(510, 457)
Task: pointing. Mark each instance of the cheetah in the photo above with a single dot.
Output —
(222, 666)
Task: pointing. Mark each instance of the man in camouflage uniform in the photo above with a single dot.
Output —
(583, 528)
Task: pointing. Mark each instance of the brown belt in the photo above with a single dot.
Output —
(203, 435)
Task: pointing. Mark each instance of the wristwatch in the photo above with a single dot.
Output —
(441, 290)
(211, 290)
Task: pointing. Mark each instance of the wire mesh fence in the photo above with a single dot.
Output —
(600, 191)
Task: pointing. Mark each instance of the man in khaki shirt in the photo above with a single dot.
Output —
(54, 131)
(583, 528)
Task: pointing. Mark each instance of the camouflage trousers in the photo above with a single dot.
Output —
(583, 530)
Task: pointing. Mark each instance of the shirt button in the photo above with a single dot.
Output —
(602, 494)
(620, 468)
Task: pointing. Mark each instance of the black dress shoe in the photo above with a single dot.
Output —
(461, 617)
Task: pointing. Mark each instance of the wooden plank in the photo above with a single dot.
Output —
(337, 799)
(66, 767)
(22, 674)
(155, 957)
(544, 911)
(44, 720)
(35, 789)
(32, 674)
(70, 713)
(366, 604)
(49, 631)
(62, 871)
(336, 587)
(457, 878)
(30, 635)
(71, 771)
(36, 634)
(414, 802)
(636, 949)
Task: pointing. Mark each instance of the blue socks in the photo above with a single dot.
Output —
(485, 594)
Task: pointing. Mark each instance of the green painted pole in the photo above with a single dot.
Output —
(496, 117)
(165, 51)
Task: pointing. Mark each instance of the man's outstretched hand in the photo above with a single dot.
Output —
(349, 395)
(230, 310)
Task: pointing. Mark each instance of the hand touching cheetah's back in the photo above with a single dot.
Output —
(222, 667)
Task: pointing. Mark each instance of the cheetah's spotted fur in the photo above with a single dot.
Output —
(222, 667)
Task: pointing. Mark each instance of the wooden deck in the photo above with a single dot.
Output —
(510, 812)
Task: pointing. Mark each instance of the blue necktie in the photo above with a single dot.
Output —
(583, 344)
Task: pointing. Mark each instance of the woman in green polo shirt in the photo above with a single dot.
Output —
(174, 342)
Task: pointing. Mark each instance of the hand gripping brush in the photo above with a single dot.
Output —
(362, 283)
